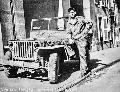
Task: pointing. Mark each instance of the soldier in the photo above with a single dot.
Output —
(77, 32)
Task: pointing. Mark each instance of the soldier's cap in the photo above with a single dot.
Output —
(71, 8)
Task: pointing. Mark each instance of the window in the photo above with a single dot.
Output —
(105, 28)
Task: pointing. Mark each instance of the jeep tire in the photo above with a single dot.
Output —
(11, 72)
(53, 68)
(7, 55)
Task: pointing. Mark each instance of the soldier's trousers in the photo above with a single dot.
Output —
(83, 55)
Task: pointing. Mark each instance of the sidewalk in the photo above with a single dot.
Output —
(110, 81)
(99, 60)
(105, 57)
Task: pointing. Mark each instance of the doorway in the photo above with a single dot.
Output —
(78, 5)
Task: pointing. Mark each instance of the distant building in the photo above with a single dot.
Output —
(104, 14)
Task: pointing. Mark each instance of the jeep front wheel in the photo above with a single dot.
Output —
(11, 72)
(7, 55)
(53, 68)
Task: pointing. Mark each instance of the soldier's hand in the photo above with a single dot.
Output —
(71, 41)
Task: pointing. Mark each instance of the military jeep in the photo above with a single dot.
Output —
(41, 55)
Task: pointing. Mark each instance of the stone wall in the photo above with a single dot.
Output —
(93, 14)
(12, 20)
(19, 19)
(6, 21)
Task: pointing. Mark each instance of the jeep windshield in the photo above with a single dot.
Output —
(47, 28)
(47, 23)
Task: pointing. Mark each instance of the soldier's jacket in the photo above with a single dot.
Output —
(79, 29)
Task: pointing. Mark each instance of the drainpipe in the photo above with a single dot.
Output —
(1, 46)
(86, 9)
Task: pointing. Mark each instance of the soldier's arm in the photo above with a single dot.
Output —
(84, 30)
(88, 26)
(68, 31)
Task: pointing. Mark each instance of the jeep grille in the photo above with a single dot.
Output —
(23, 50)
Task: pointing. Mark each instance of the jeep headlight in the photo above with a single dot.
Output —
(36, 44)
(10, 44)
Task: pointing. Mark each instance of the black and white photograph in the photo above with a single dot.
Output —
(59, 45)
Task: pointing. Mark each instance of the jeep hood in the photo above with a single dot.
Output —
(48, 35)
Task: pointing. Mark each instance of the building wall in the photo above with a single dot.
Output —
(19, 19)
(12, 20)
(31, 9)
(48, 8)
(93, 14)
(6, 21)
(104, 14)
(100, 11)
(36, 9)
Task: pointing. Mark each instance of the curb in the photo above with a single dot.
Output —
(72, 83)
